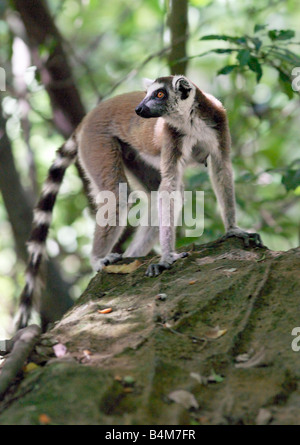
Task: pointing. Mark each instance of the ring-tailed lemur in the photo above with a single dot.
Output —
(116, 140)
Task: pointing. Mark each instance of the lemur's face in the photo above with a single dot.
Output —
(166, 96)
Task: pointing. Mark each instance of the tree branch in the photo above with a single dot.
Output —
(24, 343)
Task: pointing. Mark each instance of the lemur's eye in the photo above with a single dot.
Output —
(160, 94)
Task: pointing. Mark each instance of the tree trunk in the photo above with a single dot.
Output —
(55, 70)
(56, 73)
(207, 342)
(178, 24)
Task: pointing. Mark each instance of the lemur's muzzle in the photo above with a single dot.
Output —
(143, 111)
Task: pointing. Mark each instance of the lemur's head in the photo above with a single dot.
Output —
(166, 96)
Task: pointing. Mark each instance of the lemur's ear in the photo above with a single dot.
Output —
(147, 83)
(182, 85)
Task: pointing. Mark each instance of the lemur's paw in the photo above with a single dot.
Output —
(248, 238)
(154, 270)
(111, 258)
(22, 317)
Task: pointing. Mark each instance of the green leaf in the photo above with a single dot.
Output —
(243, 56)
(227, 69)
(213, 37)
(285, 83)
(214, 377)
(217, 50)
(222, 50)
(281, 56)
(291, 179)
(281, 34)
(129, 380)
(258, 28)
(257, 43)
(272, 34)
(293, 56)
(283, 76)
(227, 38)
(255, 66)
(286, 88)
(286, 55)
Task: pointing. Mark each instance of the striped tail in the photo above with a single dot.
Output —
(66, 155)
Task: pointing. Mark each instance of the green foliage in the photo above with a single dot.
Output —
(291, 176)
(254, 53)
(281, 34)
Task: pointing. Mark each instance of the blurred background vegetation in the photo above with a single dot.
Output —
(243, 52)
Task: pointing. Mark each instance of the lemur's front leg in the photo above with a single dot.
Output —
(222, 181)
(170, 200)
(167, 218)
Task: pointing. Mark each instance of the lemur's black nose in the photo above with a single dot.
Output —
(143, 111)
(138, 110)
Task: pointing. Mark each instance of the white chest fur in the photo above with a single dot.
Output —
(201, 135)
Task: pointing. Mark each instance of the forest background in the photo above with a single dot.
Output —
(243, 52)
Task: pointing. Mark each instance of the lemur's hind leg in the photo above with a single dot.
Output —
(145, 236)
(104, 185)
(143, 241)
(104, 240)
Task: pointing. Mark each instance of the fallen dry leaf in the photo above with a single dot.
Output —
(263, 257)
(86, 352)
(215, 333)
(184, 398)
(203, 420)
(30, 367)
(229, 271)
(105, 311)
(86, 356)
(244, 357)
(259, 359)
(167, 325)
(192, 281)
(44, 419)
(200, 379)
(118, 378)
(122, 268)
